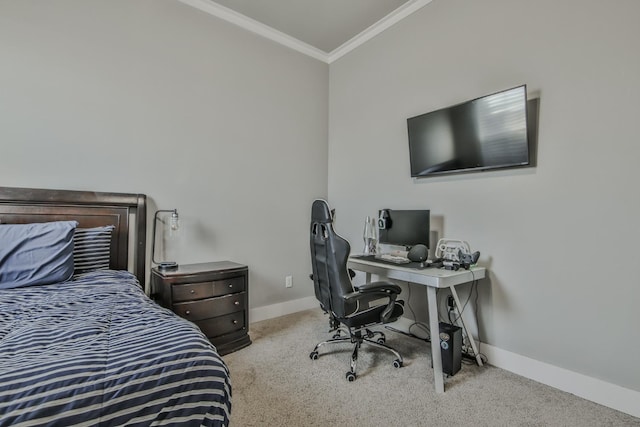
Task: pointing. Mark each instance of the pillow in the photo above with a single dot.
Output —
(92, 248)
(36, 254)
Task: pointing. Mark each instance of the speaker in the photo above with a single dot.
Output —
(418, 253)
(450, 348)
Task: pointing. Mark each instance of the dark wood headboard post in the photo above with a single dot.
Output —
(140, 267)
(90, 209)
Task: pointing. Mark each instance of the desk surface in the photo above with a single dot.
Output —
(434, 277)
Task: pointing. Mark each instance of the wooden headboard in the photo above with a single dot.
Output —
(126, 212)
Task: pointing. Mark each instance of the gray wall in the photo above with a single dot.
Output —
(159, 98)
(560, 240)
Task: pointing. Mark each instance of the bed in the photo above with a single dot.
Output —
(86, 346)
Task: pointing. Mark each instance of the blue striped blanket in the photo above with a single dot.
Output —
(96, 350)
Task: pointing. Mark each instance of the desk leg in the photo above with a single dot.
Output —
(464, 325)
(434, 329)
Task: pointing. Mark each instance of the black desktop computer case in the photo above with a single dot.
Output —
(451, 348)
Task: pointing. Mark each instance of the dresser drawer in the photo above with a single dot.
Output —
(211, 307)
(194, 291)
(222, 325)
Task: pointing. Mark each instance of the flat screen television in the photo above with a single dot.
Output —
(485, 133)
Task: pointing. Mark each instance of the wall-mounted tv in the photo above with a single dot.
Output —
(485, 133)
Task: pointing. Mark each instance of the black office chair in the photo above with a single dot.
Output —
(348, 307)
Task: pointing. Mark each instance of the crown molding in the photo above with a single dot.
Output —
(249, 24)
(256, 27)
(375, 29)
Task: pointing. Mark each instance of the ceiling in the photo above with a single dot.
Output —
(324, 29)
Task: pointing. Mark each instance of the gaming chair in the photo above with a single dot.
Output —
(350, 308)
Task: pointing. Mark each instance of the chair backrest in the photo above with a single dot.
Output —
(329, 255)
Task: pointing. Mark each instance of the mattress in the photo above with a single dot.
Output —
(95, 350)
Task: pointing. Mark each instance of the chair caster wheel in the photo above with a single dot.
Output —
(351, 376)
(397, 363)
(381, 340)
(313, 355)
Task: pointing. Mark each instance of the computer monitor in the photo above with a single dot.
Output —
(403, 227)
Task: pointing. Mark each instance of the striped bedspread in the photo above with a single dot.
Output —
(96, 351)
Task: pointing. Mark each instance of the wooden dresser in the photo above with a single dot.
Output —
(212, 295)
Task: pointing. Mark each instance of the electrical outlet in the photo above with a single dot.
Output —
(288, 281)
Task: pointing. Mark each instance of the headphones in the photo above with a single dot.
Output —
(384, 220)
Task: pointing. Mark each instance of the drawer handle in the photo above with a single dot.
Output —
(237, 303)
(235, 322)
(192, 291)
(187, 312)
(230, 285)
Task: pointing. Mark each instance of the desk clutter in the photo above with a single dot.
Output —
(450, 254)
(454, 254)
(402, 237)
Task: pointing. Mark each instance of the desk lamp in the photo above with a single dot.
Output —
(174, 225)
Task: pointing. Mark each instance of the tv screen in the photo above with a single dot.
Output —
(485, 133)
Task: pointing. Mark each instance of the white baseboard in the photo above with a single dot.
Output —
(276, 310)
(598, 391)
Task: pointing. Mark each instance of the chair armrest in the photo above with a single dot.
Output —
(373, 290)
(369, 296)
(386, 287)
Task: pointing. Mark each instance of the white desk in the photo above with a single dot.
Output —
(433, 279)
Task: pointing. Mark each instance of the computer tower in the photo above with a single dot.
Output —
(450, 348)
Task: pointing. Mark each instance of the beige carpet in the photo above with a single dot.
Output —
(275, 383)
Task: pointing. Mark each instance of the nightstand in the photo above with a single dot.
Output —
(212, 295)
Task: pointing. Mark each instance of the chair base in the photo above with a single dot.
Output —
(357, 337)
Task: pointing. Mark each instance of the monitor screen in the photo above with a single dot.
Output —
(403, 227)
(485, 133)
